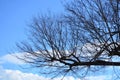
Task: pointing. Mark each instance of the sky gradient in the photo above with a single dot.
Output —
(15, 15)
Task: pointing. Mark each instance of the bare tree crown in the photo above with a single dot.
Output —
(89, 34)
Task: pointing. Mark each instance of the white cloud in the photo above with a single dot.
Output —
(96, 78)
(18, 75)
(11, 58)
(6, 74)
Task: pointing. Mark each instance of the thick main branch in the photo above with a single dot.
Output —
(98, 63)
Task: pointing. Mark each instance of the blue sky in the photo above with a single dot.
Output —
(15, 15)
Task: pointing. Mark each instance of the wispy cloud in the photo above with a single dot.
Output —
(18, 75)
(9, 74)
(11, 58)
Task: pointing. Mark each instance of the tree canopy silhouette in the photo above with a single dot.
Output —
(87, 35)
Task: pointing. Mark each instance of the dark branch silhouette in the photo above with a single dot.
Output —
(87, 35)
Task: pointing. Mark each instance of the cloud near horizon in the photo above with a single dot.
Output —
(11, 58)
(18, 75)
(9, 74)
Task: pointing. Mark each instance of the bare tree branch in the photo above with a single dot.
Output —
(89, 34)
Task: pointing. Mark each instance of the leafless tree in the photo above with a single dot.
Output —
(87, 35)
